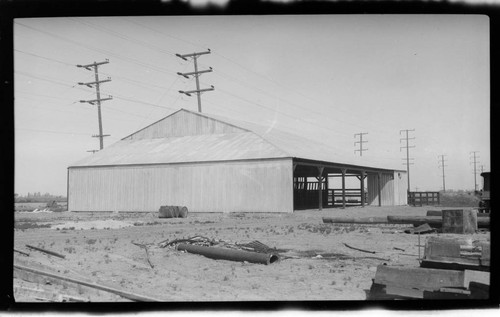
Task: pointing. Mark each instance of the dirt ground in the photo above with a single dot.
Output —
(316, 264)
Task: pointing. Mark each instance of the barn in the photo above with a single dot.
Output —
(214, 164)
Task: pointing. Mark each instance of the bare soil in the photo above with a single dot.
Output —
(315, 262)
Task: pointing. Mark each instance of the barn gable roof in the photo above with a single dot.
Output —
(186, 136)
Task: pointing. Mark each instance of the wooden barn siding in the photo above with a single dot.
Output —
(388, 194)
(183, 124)
(260, 186)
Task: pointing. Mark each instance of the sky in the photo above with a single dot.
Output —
(325, 77)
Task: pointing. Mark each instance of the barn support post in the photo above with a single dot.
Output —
(320, 183)
(362, 180)
(343, 187)
(379, 178)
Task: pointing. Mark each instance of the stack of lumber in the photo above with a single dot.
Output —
(450, 269)
(423, 283)
(456, 254)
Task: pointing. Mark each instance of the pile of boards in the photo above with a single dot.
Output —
(450, 269)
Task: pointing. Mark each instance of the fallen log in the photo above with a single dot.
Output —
(229, 254)
(433, 221)
(360, 220)
(128, 295)
(46, 251)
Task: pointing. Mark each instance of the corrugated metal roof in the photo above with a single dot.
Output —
(301, 147)
(195, 148)
(258, 143)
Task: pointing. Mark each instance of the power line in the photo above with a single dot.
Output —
(360, 143)
(46, 58)
(122, 36)
(442, 166)
(142, 84)
(127, 59)
(407, 146)
(51, 131)
(97, 101)
(196, 75)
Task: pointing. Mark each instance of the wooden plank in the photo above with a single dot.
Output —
(360, 220)
(454, 290)
(128, 295)
(404, 292)
(433, 249)
(438, 295)
(458, 260)
(453, 264)
(477, 277)
(485, 252)
(420, 278)
(46, 251)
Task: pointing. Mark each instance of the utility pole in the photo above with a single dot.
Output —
(360, 143)
(442, 167)
(97, 101)
(196, 75)
(475, 157)
(407, 146)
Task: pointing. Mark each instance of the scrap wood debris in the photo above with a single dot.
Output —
(254, 246)
(46, 251)
(196, 240)
(366, 251)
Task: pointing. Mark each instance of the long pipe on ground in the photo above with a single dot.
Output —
(440, 213)
(361, 220)
(229, 254)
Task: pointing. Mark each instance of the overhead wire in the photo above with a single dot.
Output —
(262, 76)
(222, 74)
(127, 59)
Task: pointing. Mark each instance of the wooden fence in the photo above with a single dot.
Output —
(423, 198)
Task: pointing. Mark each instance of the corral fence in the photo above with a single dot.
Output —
(423, 198)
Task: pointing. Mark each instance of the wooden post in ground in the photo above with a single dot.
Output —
(320, 190)
(343, 188)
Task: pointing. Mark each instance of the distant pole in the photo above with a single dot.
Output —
(475, 157)
(97, 101)
(196, 74)
(360, 143)
(442, 167)
(407, 146)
